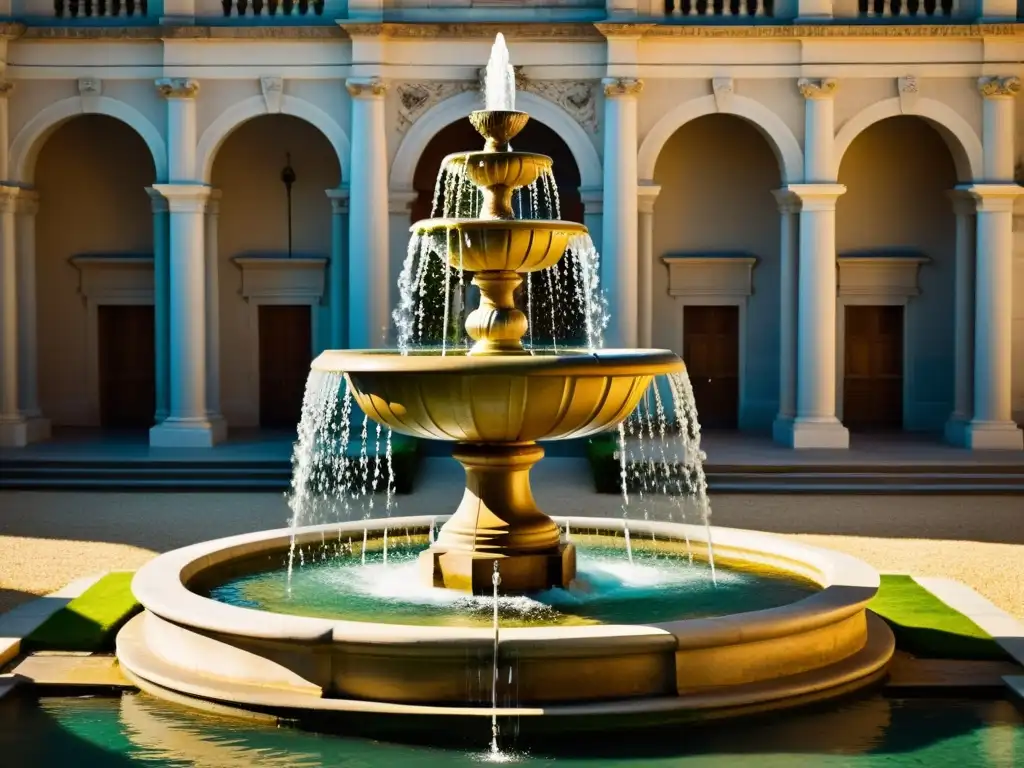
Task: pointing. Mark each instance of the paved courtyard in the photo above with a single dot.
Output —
(49, 538)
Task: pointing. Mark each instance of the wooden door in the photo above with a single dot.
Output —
(873, 374)
(711, 350)
(127, 366)
(285, 353)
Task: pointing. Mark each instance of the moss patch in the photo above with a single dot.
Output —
(928, 628)
(91, 620)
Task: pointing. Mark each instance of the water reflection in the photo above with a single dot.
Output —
(868, 733)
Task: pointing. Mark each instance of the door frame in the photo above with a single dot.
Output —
(714, 280)
(125, 280)
(254, 330)
(842, 303)
(876, 280)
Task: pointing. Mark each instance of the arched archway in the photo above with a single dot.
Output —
(272, 267)
(895, 343)
(94, 274)
(716, 266)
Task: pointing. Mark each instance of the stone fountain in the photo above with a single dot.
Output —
(495, 400)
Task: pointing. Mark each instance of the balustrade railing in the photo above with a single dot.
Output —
(688, 9)
(273, 8)
(92, 9)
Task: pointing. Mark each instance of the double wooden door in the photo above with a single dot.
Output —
(873, 372)
(711, 350)
(285, 348)
(127, 366)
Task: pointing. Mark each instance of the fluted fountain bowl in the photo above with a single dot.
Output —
(481, 245)
(506, 169)
(498, 126)
(499, 399)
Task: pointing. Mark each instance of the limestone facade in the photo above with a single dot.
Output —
(788, 166)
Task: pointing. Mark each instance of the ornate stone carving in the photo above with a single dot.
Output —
(365, 86)
(273, 91)
(90, 86)
(723, 89)
(574, 96)
(999, 87)
(6, 88)
(177, 87)
(622, 86)
(417, 97)
(823, 88)
(909, 91)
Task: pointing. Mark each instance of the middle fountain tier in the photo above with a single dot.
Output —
(498, 399)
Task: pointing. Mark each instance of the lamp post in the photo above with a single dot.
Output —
(288, 178)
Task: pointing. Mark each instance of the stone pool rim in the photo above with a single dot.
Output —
(199, 647)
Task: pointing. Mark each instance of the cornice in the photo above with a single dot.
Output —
(517, 30)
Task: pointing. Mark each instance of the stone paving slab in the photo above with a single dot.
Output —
(71, 669)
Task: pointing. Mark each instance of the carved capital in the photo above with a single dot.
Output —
(177, 87)
(6, 88)
(999, 87)
(823, 88)
(365, 87)
(622, 86)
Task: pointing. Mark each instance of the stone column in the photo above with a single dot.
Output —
(368, 216)
(992, 424)
(619, 235)
(963, 310)
(13, 427)
(339, 269)
(212, 291)
(28, 349)
(593, 213)
(161, 303)
(648, 194)
(815, 424)
(789, 238)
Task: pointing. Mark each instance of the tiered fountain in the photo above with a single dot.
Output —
(643, 655)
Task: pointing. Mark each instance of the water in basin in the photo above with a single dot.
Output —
(609, 589)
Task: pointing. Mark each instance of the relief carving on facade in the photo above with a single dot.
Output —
(273, 91)
(177, 87)
(365, 86)
(823, 88)
(909, 90)
(996, 87)
(622, 86)
(576, 97)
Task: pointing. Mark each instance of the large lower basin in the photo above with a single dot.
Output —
(498, 399)
(190, 647)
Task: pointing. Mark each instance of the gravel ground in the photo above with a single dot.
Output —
(49, 538)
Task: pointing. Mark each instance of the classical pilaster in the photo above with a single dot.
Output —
(963, 313)
(13, 426)
(789, 238)
(815, 424)
(339, 269)
(997, 129)
(28, 352)
(992, 425)
(368, 212)
(648, 194)
(212, 292)
(187, 424)
(6, 89)
(161, 303)
(619, 240)
(180, 94)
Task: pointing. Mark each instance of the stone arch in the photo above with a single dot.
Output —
(439, 116)
(254, 106)
(964, 144)
(30, 139)
(780, 138)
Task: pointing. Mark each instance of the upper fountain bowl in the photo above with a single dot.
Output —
(500, 169)
(499, 399)
(498, 127)
(490, 245)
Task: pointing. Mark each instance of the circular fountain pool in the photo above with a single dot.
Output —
(652, 582)
(796, 629)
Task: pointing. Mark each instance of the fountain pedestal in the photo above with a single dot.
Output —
(498, 522)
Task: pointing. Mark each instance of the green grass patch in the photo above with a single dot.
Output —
(928, 628)
(91, 620)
